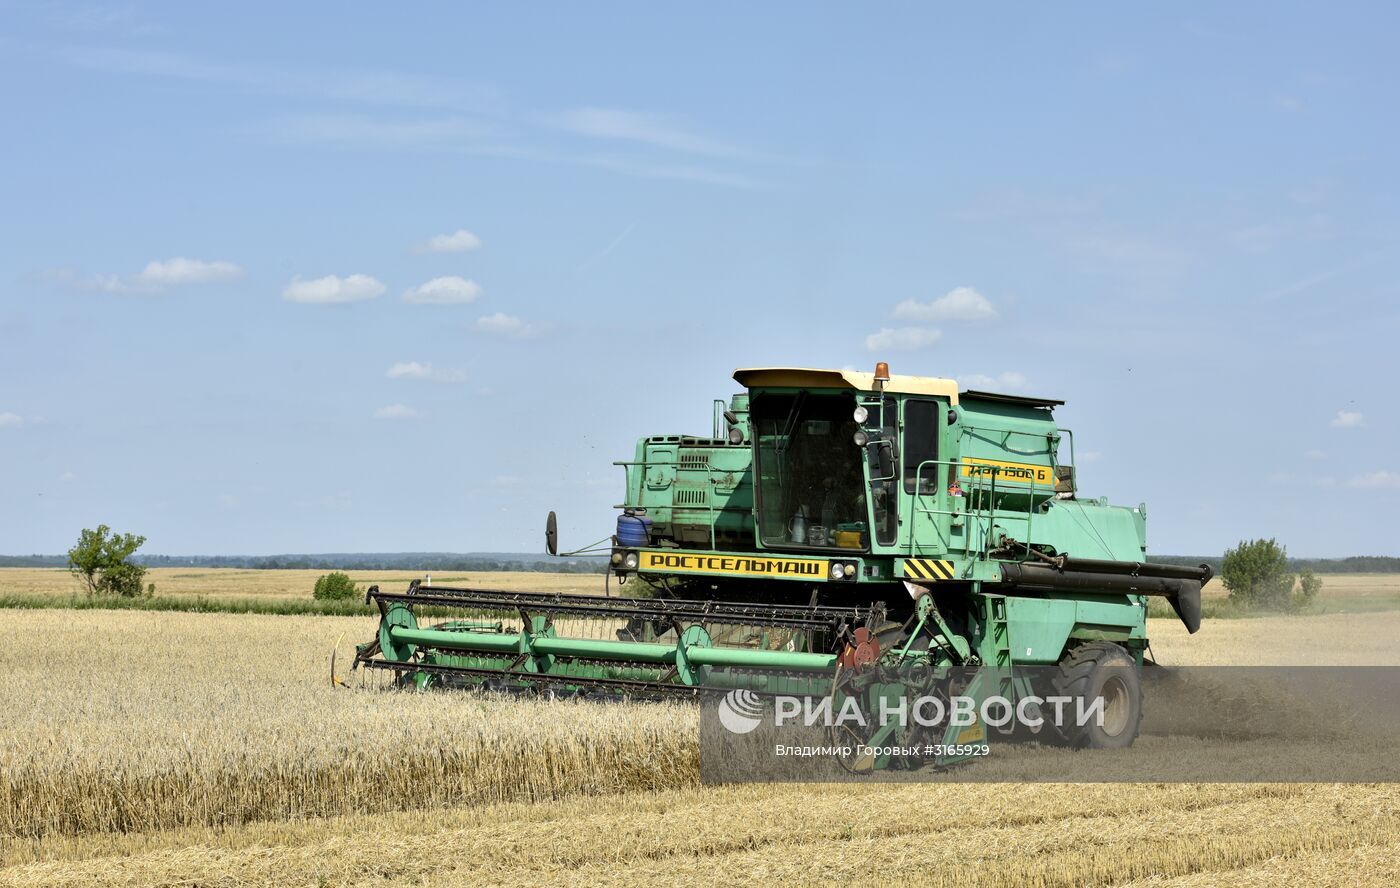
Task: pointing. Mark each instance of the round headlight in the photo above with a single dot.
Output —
(849, 571)
(861, 439)
(836, 571)
(617, 558)
(736, 435)
(630, 561)
(861, 415)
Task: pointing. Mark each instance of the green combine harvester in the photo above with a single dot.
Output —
(844, 535)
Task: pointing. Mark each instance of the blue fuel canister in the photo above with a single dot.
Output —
(633, 529)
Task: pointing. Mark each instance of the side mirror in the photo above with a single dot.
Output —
(1064, 479)
(884, 459)
(551, 534)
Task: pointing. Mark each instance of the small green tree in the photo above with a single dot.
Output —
(1256, 573)
(334, 587)
(1309, 584)
(100, 561)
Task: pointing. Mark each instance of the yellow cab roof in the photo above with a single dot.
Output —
(806, 377)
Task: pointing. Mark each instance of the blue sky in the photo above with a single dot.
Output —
(346, 278)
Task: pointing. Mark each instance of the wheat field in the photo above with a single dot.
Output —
(280, 585)
(126, 720)
(984, 834)
(210, 749)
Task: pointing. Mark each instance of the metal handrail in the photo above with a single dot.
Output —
(986, 509)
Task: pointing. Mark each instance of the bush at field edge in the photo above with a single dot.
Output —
(334, 586)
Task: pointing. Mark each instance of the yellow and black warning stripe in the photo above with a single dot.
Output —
(928, 569)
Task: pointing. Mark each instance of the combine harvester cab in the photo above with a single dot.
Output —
(859, 535)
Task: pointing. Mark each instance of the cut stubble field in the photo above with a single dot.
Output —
(210, 749)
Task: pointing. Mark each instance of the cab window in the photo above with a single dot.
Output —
(920, 445)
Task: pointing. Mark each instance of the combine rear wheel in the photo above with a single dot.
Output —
(1100, 669)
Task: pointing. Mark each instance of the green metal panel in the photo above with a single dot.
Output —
(759, 659)
(695, 490)
(1040, 628)
(1091, 529)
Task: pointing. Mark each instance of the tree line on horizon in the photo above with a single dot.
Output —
(1349, 564)
(505, 561)
(439, 561)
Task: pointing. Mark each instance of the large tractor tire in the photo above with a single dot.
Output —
(1100, 669)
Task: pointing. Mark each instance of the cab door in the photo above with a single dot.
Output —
(924, 529)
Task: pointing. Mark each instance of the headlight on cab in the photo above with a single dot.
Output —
(843, 570)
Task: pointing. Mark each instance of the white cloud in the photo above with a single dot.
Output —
(332, 289)
(11, 420)
(902, 339)
(410, 370)
(451, 290)
(1315, 454)
(1381, 480)
(389, 88)
(173, 272)
(473, 120)
(502, 324)
(958, 304)
(68, 477)
(680, 172)
(455, 135)
(630, 126)
(1008, 381)
(378, 133)
(1313, 280)
(1268, 236)
(1347, 419)
(415, 370)
(395, 411)
(1088, 456)
(158, 275)
(459, 241)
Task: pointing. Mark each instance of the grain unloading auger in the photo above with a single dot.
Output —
(848, 535)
